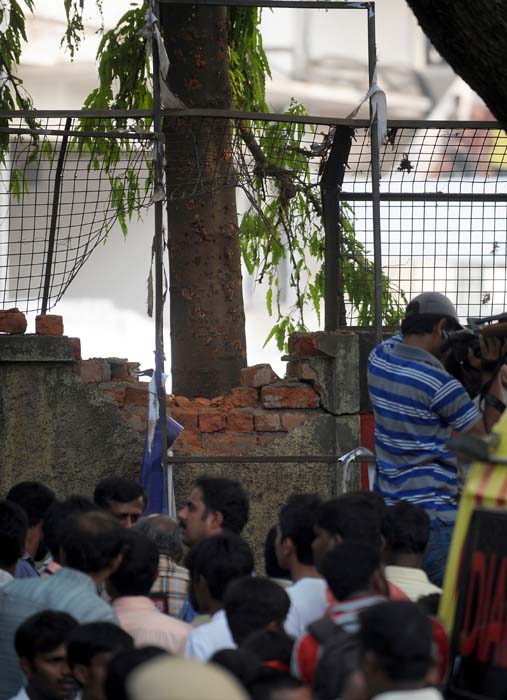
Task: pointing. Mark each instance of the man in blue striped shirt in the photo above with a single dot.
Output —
(416, 404)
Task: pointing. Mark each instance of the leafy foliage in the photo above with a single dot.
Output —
(284, 220)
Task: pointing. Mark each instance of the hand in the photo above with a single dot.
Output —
(492, 351)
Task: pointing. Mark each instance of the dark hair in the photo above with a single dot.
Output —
(271, 565)
(226, 496)
(43, 632)
(13, 529)
(252, 604)
(406, 528)
(118, 489)
(35, 499)
(258, 680)
(356, 515)
(270, 645)
(348, 568)
(219, 560)
(400, 635)
(122, 665)
(420, 324)
(297, 519)
(139, 567)
(53, 525)
(86, 641)
(90, 541)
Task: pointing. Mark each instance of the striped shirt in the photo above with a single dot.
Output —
(416, 405)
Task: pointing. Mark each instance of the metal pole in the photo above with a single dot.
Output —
(375, 180)
(55, 208)
(159, 252)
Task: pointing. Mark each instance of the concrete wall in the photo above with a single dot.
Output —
(70, 422)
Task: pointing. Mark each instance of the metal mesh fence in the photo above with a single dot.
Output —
(443, 211)
(64, 181)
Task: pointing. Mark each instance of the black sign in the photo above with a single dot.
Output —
(478, 662)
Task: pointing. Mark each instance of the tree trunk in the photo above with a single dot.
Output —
(208, 346)
(471, 36)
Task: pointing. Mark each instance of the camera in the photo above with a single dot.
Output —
(457, 344)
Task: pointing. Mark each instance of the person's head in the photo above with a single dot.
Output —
(35, 499)
(406, 531)
(123, 498)
(139, 567)
(262, 682)
(213, 563)
(428, 316)
(166, 534)
(355, 515)
(216, 504)
(271, 565)
(54, 522)
(92, 543)
(13, 530)
(396, 646)
(122, 664)
(89, 652)
(272, 647)
(252, 604)
(294, 536)
(41, 646)
(353, 568)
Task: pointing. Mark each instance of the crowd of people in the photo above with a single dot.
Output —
(99, 602)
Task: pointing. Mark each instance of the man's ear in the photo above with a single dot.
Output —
(81, 674)
(378, 583)
(26, 667)
(287, 548)
(215, 521)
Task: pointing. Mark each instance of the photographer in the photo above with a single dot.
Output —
(416, 404)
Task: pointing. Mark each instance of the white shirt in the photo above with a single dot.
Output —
(308, 603)
(5, 577)
(21, 695)
(210, 637)
(417, 694)
(414, 583)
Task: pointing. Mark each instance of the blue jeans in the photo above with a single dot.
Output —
(435, 558)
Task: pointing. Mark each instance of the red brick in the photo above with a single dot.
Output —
(301, 369)
(115, 391)
(181, 401)
(240, 421)
(132, 367)
(137, 394)
(136, 417)
(258, 375)
(289, 396)
(218, 401)
(303, 344)
(94, 371)
(75, 346)
(243, 397)
(293, 419)
(202, 402)
(12, 321)
(267, 422)
(188, 442)
(229, 443)
(49, 324)
(267, 439)
(119, 372)
(187, 417)
(211, 420)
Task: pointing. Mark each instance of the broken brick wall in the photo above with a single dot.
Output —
(70, 422)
